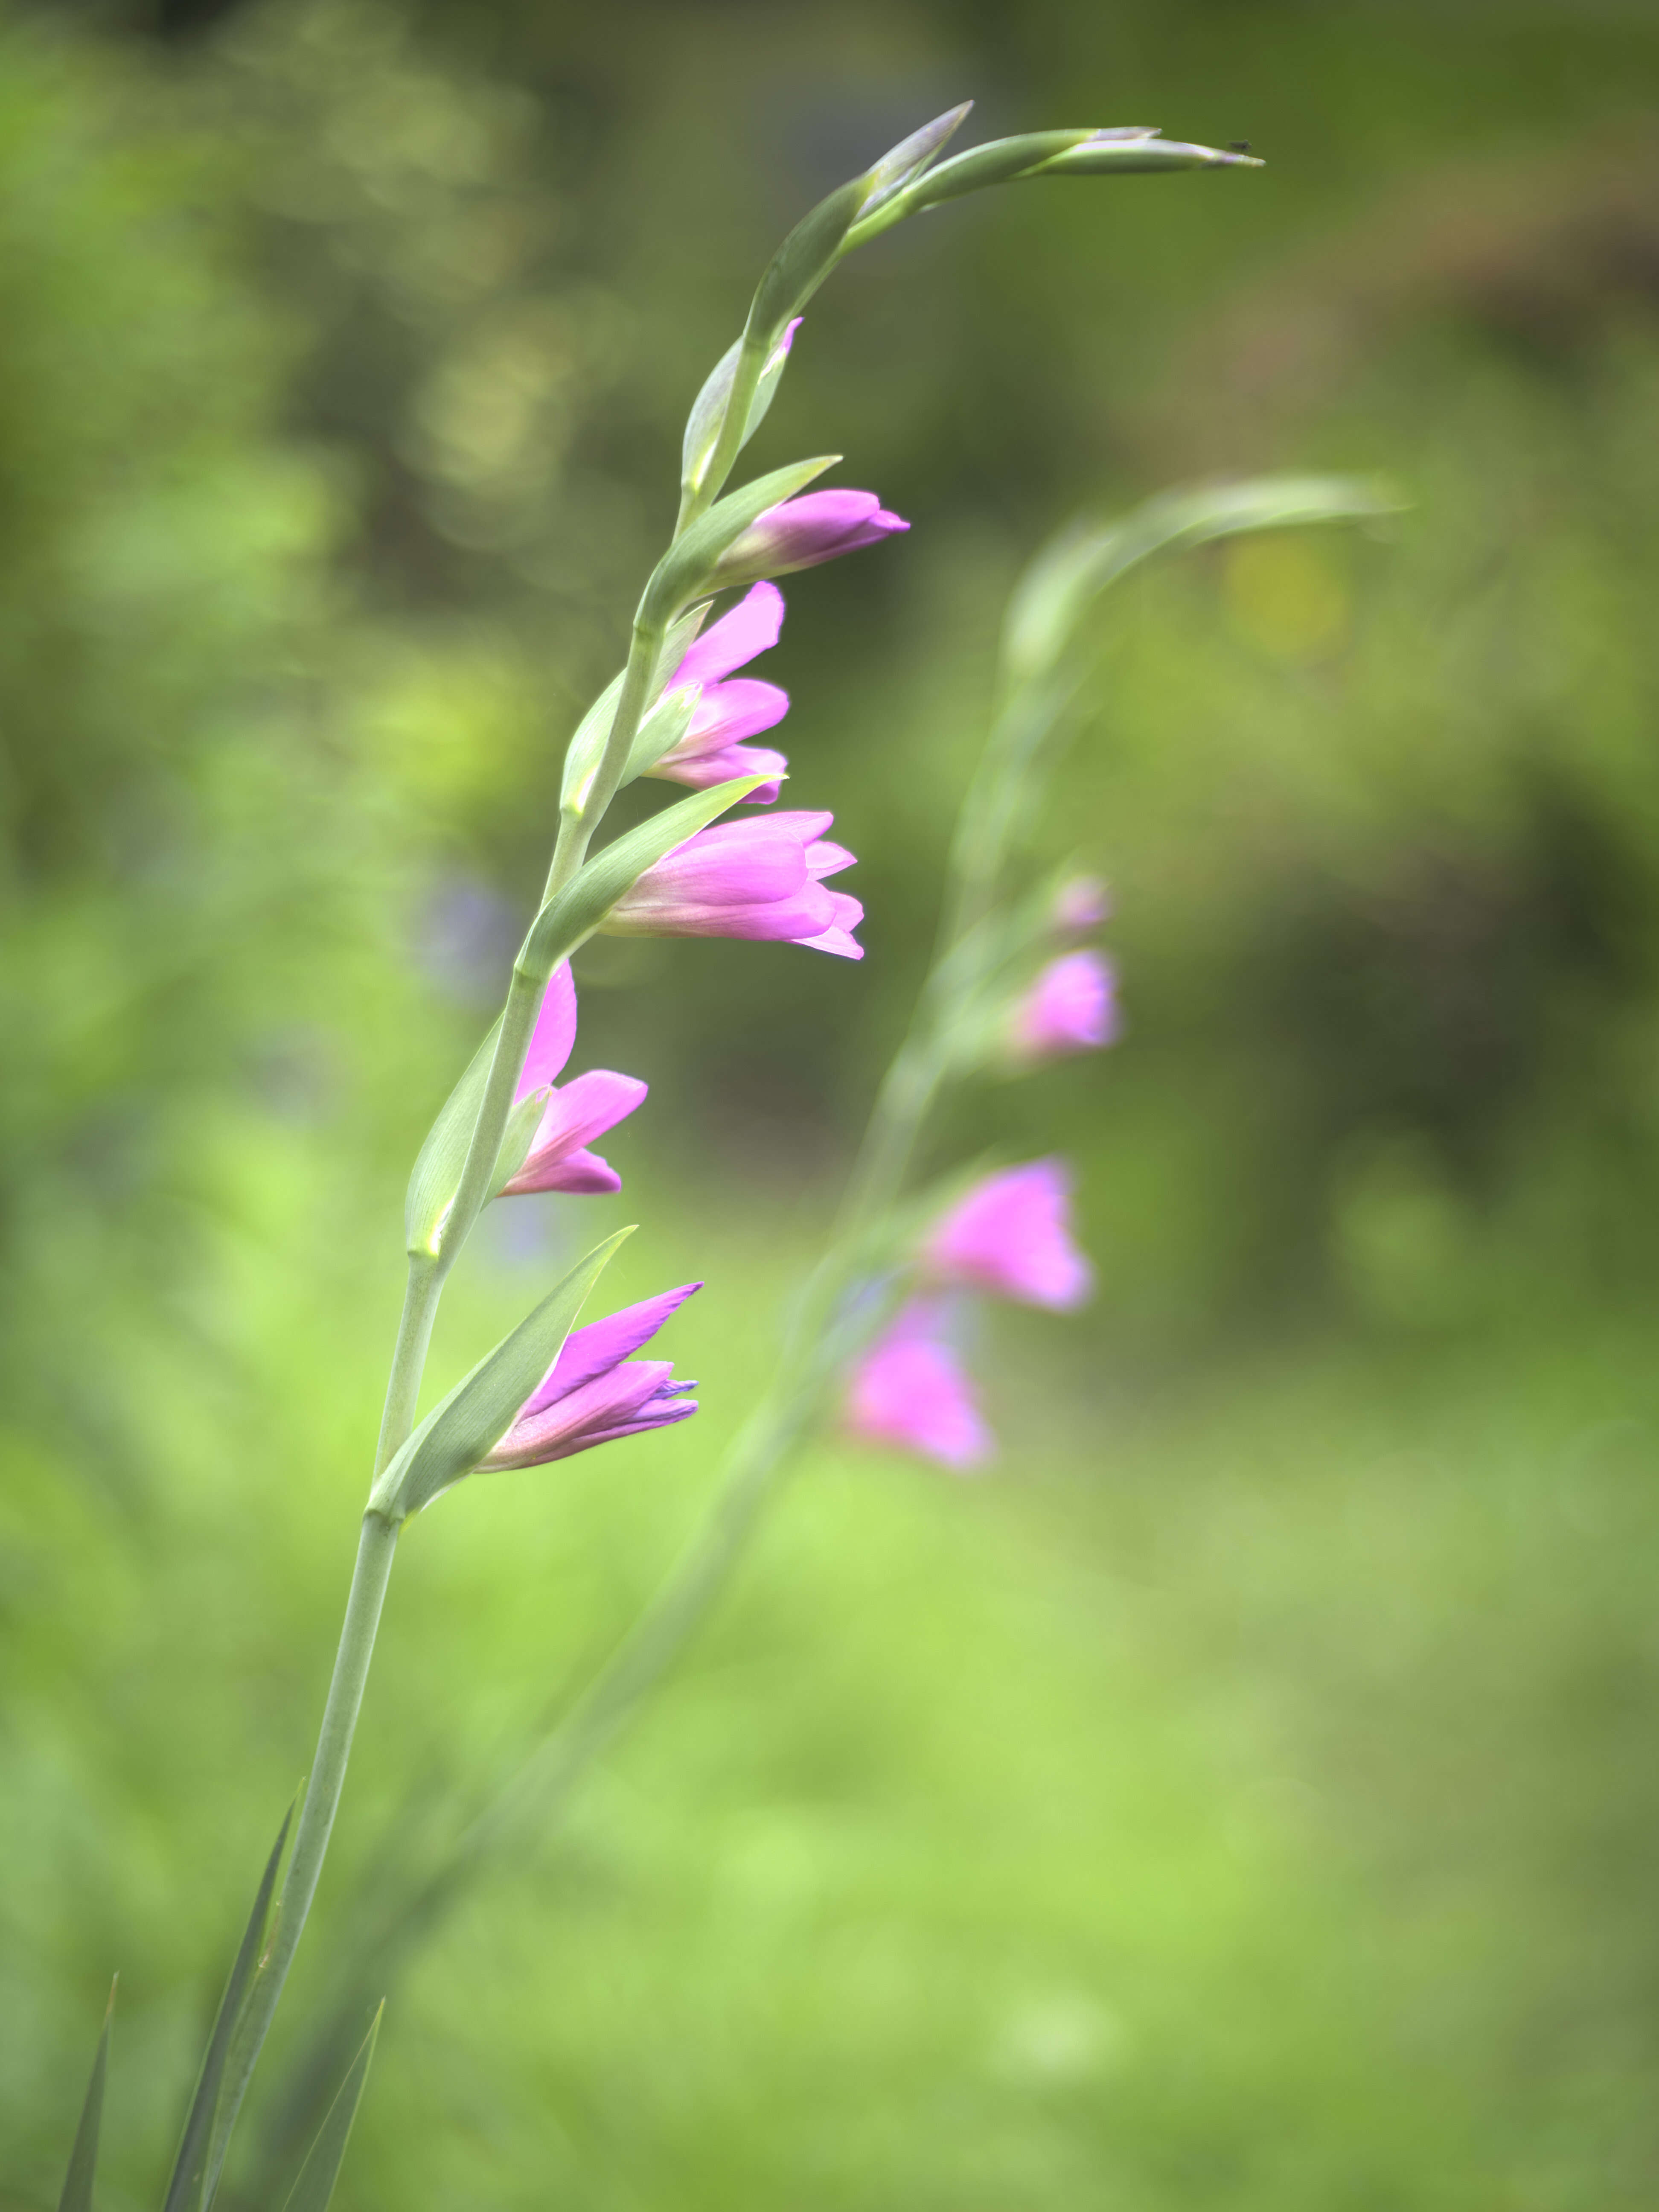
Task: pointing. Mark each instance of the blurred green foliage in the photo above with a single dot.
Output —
(1244, 1799)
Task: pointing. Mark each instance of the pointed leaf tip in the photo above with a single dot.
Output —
(84, 2154)
(315, 2185)
(202, 2146)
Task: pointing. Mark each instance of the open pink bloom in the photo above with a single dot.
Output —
(711, 751)
(1080, 904)
(909, 1389)
(1071, 1007)
(761, 878)
(558, 1158)
(594, 1392)
(1012, 1234)
(798, 533)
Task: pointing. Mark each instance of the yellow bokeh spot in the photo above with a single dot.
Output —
(1287, 597)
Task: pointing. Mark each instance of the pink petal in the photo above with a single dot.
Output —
(595, 1349)
(729, 712)
(1012, 1234)
(751, 627)
(554, 1035)
(910, 1390)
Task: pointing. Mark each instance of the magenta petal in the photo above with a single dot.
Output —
(751, 627)
(588, 1107)
(601, 1345)
(1012, 1234)
(554, 1035)
(577, 1174)
(730, 712)
(1071, 1007)
(708, 769)
(823, 859)
(910, 1390)
(846, 914)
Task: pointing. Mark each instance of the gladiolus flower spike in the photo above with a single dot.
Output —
(594, 1392)
(558, 1158)
(1012, 1234)
(760, 879)
(910, 1390)
(711, 751)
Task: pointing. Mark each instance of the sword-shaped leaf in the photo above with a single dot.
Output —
(188, 2190)
(321, 2170)
(479, 1411)
(83, 2158)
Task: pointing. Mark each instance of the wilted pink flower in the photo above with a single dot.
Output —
(910, 1390)
(1081, 904)
(1012, 1234)
(800, 533)
(594, 1392)
(761, 878)
(1071, 1007)
(583, 1109)
(710, 751)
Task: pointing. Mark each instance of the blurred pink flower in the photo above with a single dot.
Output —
(593, 1393)
(1012, 1234)
(1080, 904)
(583, 1109)
(910, 1390)
(1072, 1006)
(710, 751)
(761, 878)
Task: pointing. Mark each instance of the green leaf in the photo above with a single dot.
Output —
(686, 569)
(190, 2189)
(583, 753)
(995, 163)
(663, 729)
(1104, 155)
(803, 261)
(83, 2158)
(436, 1174)
(321, 2170)
(522, 1123)
(1052, 597)
(904, 163)
(479, 1411)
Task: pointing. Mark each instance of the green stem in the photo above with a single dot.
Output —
(422, 1291)
(376, 1548)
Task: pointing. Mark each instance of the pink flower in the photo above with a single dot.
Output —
(1071, 1007)
(1081, 904)
(558, 1159)
(1012, 1234)
(593, 1393)
(909, 1389)
(761, 878)
(798, 533)
(710, 751)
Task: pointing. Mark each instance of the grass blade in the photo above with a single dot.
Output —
(83, 2159)
(187, 2192)
(321, 2170)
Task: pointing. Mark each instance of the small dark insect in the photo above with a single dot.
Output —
(1238, 145)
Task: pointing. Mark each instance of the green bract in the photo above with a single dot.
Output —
(456, 1434)
(685, 570)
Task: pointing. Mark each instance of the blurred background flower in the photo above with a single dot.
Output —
(1242, 1797)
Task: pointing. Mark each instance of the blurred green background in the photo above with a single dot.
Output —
(1246, 1797)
